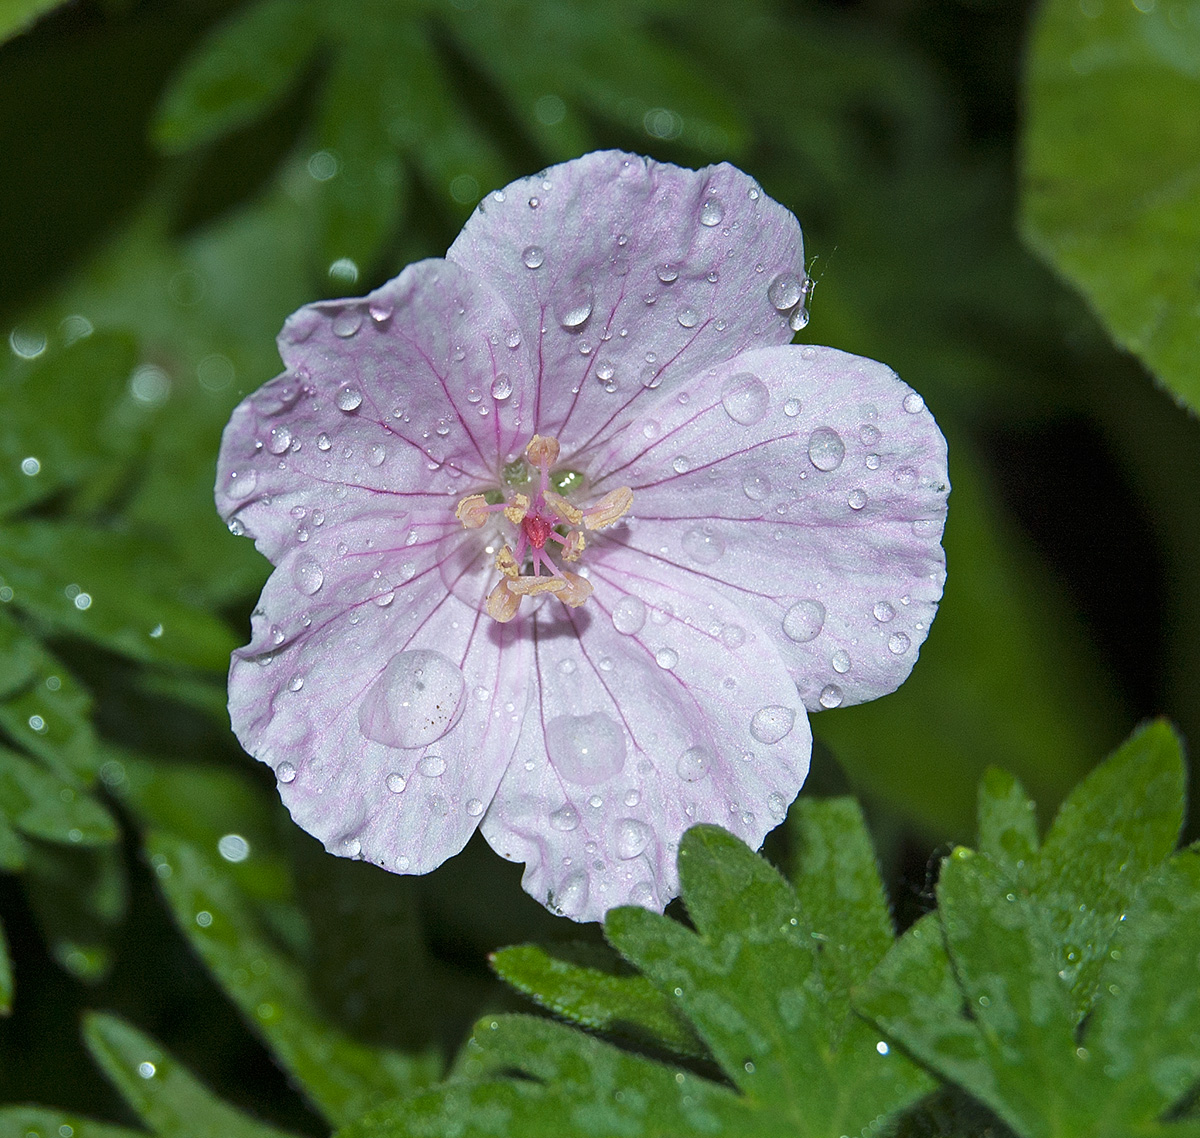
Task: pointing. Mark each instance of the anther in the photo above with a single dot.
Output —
(563, 509)
(472, 511)
(573, 546)
(516, 510)
(542, 450)
(502, 603)
(507, 563)
(609, 509)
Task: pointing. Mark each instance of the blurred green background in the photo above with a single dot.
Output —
(178, 177)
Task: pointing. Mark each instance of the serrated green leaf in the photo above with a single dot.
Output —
(627, 1007)
(79, 896)
(1007, 820)
(168, 1098)
(21, 1121)
(237, 73)
(1112, 131)
(242, 918)
(6, 976)
(571, 1082)
(117, 589)
(1115, 827)
(60, 413)
(17, 16)
(42, 805)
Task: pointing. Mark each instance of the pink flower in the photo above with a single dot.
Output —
(568, 537)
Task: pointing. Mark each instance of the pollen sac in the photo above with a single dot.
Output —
(542, 450)
(502, 603)
(609, 509)
(472, 511)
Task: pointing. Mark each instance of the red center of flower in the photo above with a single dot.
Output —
(537, 529)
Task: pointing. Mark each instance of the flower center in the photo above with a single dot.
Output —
(545, 519)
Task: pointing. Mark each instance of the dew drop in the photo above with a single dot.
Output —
(756, 487)
(432, 766)
(791, 408)
(572, 895)
(871, 462)
(681, 465)
(348, 398)
(533, 256)
(380, 310)
(702, 547)
(712, 212)
(688, 317)
(285, 772)
(770, 724)
(799, 318)
(474, 807)
(574, 313)
(632, 797)
(913, 403)
(642, 894)
(414, 702)
(307, 575)
(502, 387)
(242, 483)
(898, 643)
(513, 339)
(826, 449)
(323, 441)
(376, 455)
(565, 818)
(883, 612)
(776, 804)
(667, 273)
(869, 434)
(694, 763)
(396, 783)
(585, 749)
(841, 661)
(745, 398)
(632, 838)
(629, 615)
(804, 620)
(785, 291)
(280, 439)
(831, 695)
(856, 499)
(666, 658)
(347, 322)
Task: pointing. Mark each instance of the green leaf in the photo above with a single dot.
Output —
(1007, 820)
(1112, 131)
(62, 420)
(242, 918)
(42, 805)
(79, 896)
(237, 73)
(168, 1098)
(12, 848)
(17, 16)
(21, 1121)
(6, 977)
(627, 1007)
(117, 589)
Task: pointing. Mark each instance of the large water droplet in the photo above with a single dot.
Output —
(285, 772)
(826, 449)
(572, 895)
(688, 317)
(585, 749)
(396, 783)
(799, 318)
(628, 615)
(348, 398)
(667, 273)
(831, 695)
(666, 658)
(785, 291)
(770, 724)
(307, 575)
(712, 212)
(565, 818)
(898, 643)
(745, 398)
(632, 838)
(414, 702)
(702, 547)
(347, 322)
(841, 661)
(756, 487)
(694, 763)
(883, 612)
(913, 403)
(280, 440)
(432, 766)
(474, 807)
(242, 483)
(804, 621)
(573, 314)
(533, 256)
(502, 387)
(856, 499)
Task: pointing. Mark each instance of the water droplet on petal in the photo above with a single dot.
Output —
(745, 398)
(791, 408)
(826, 449)
(898, 643)
(702, 547)
(831, 695)
(432, 766)
(804, 621)
(712, 212)
(348, 398)
(380, 310)
(280, 440)
(681, 465)
(396, 783)
(347, 322)
(323, 441)
(785, 291)
(869, 434)
(285, 772)
(376, 455)
(856, 499)
(585, 749)
(574, 313)
(883, 612)
(565, 818)
(242, 483)
(632, 838)
(474, 807)
(667, 273)
(414, 701)
(694, 763)
(798, 319)
(666, 658)
(913, 403)
(307, 575)
(572, 895)
(756, 487)
(502, 387)
(688, 317)
(770, 724)
(533, 256)
(629, 615)
(841, 661)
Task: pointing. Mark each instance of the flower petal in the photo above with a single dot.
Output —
(632, 274)
(391, 402)
(646, 721)
(385, 701)
(809, 483)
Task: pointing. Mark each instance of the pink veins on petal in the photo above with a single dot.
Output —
(569, 537)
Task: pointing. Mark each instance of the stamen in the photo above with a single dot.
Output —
(609, 509)
(502, 603)
(563, 509)
(472, 511)
(542, 450)
(578, 590)
(573, 545)
(515, 511)
(507, 563)
(532, 586)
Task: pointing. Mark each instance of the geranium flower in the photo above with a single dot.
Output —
(568, 537)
